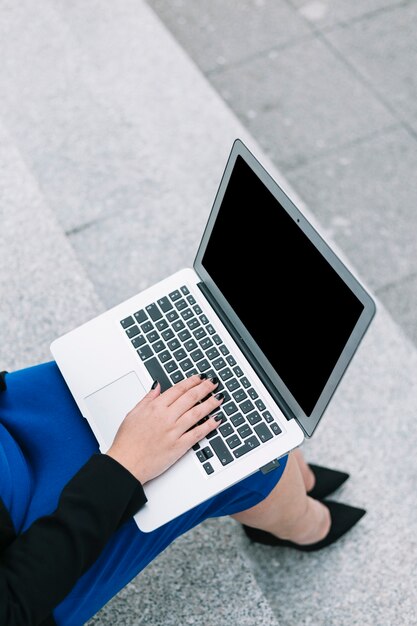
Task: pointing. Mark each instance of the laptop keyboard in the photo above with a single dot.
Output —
(175, 339)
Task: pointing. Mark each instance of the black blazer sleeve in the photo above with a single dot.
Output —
(40, 567)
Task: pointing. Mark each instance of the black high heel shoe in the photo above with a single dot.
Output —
(327, 481)
(343, 518)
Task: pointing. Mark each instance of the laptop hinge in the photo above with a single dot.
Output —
(248, 354)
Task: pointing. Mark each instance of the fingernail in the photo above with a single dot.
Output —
(214, 380)
(219, 396)
(203, 376)
(154, 384)
(219, 417)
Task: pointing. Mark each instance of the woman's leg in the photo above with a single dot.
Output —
(288, 512)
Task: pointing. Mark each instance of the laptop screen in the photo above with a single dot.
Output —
(293, 301)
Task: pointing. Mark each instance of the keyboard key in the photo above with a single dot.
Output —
(212, 353)
(192, 372)
(232, 384)
(211, 331)
(153, 312)
(212, 434)
(226, 429)
(196, 355)
(226, 373)
(224, 349)
(233, 441)
(244, 381)
(275, 428)
(186, 314)
(216, 338)
(171, 366)
(140, 316)
(221, 450)
(181, 304)
(168, 334)
(199, 333)
(196, 447)
(240, 395)
(252, 442)
(179, 325)
(267, 416)
(138, 341)
(158, 346)
(246, 406)
(190, 345)
(177, 376)
(208, 468)
(185, 290)
(147, 327)
(157, 372)
(174, 344)
(203, 365)
(165, 304)
(229, 408)
(191, 299)
(180, 354)
(245, 431)
(219, 364)
(201, 456)
(252, 393)
(164, 356)
(238, 452)
(184, 335)
(174, 295)
(207, 452)
(231, 361)
(161, 324)
(237, 419)
(152, 336)
(197, 309)
(132, 331)
(192, 324)
(128, 321)
(260, 405)
(203, 319)
(263, 432)
(186, 364)
(145, 352)
(172, 315)
(206, 342)
(253, 418)
(238, 371)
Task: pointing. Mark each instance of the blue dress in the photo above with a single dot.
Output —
(44, 441)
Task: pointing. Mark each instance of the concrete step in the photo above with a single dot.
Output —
(127, 142)
(50, 155)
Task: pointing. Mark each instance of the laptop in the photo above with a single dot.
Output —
(268, 308)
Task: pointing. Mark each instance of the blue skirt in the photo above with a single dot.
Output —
(44, 441)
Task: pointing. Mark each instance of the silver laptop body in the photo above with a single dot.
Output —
(268, 308)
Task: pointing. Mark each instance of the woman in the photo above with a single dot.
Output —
(68, 542)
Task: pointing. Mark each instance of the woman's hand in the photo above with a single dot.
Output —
(156, 432)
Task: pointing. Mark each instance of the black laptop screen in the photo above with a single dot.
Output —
(293, 303)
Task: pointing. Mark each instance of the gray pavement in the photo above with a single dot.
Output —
(113, 138)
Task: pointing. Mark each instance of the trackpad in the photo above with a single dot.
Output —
(110, 405)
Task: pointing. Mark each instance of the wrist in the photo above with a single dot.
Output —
(129, 464)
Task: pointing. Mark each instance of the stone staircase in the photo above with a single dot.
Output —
(112, 145)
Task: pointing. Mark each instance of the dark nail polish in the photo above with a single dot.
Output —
(219, 396)
(219, 418)
(203, 376)
(154, 384)
(214, 380)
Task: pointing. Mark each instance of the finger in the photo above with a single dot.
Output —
(193, 396)
(176, 391)
(199, 411)
(191, 437)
